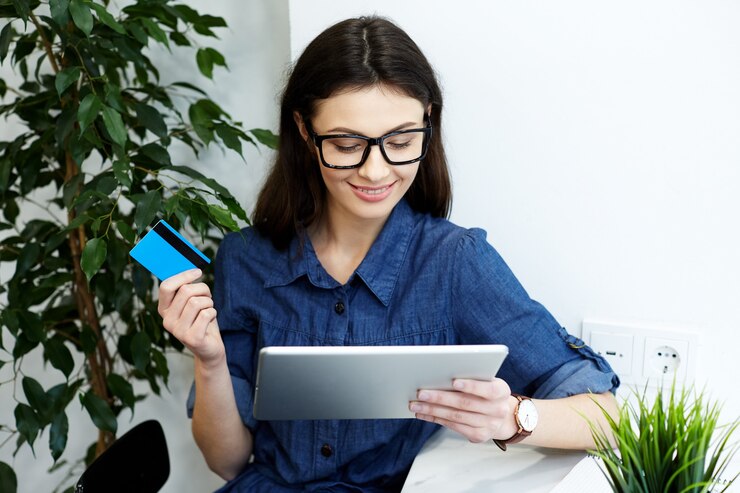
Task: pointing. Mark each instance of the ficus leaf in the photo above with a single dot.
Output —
(121, 170)
(100, 412)
(81, 15)
(122, 388)
(155, 31)
(151, 119)
(223, 217)
(66, 78)
(140, 346)
(58, 435)
(229, 138)
(146, 209)
(36, 397)
(107, 19)
(5, 36)
(8, 480)
(114, 125)
(88, 111)
(205, 62)
(266, 137)
(27, 423)
(59, 11)
(93, 256)
(59, 355)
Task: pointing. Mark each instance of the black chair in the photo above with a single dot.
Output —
(137, 462)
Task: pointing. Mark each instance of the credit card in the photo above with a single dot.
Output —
(165, 252)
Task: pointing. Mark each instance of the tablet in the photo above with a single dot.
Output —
(361, 382)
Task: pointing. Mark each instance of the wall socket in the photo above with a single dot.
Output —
(642, 354)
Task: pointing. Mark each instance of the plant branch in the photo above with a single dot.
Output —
(47, 44)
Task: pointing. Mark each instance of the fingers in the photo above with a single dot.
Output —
(168, 288)
(477, 410)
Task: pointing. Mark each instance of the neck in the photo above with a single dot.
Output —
(341, 242)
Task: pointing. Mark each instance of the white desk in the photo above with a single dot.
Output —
(449, 463)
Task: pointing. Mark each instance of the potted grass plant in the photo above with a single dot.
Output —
(676, 444)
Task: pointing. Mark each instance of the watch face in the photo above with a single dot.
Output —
(527, 415)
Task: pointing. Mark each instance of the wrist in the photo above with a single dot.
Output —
(212, 365)
(509, 427)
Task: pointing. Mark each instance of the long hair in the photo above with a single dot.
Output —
(354, 53)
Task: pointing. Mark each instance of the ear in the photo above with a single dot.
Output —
(301, 125)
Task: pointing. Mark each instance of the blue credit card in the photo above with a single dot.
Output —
(165, 252)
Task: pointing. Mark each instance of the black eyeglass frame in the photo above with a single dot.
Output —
(371, 141)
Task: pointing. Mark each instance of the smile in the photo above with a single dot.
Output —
(372, 194)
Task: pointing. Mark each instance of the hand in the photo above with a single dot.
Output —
(187, 313)
(479, 410)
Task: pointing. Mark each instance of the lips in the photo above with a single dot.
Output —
(372, 194)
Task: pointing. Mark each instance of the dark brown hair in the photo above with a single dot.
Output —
(354, 53)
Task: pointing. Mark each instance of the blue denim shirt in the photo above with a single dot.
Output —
(424, 281)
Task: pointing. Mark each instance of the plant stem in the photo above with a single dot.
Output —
(99, 360)
(47, 44)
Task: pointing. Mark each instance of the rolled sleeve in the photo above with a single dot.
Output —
(238, 332)
(492, 307)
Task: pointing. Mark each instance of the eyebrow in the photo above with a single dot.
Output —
(346, 130)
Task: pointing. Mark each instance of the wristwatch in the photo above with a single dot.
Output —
(526, 417)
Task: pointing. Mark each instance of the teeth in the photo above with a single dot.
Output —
(376, 191)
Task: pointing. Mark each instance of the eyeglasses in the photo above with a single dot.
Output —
(347, 151)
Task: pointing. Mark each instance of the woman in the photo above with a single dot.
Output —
(350, 246)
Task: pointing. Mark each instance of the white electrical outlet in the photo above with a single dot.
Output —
(643, 354)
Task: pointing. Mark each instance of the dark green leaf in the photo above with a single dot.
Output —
(88, 111)
(114, 124)
(81, 15)
(140, 346)
(146, 210)
(32, 326)
(93, 256)
(223, 217)
(36, 396)
(5, 36)
(151, 119)
(266, 137)
(59, 11)
(22, 9)
(58, 435)
(59, 355)
(210, 182)
(126, 231)
(107, 19)
(8, 481)
(23, 345)
(28, 258)
(100, 412)
(205, 63)
(88, 340)
(229, 138)
(179, 39)
(187, 85)
(155, 31)
(121, 170)
(27, 423)
(66, 78)
(107, 184)
(121, 388)
(11, 211)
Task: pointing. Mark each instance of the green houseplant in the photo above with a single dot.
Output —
(92, 159)
(675, 444)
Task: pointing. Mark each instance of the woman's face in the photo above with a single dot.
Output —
(371, 191)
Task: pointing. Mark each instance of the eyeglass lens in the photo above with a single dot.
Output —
(348, 151)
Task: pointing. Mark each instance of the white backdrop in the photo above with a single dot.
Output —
(598, 143)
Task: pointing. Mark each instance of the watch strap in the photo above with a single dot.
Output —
(521, 433)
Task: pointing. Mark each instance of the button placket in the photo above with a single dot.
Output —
(339, 307)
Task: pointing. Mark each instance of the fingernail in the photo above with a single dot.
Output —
(458, 384)
(423, 396)
(197, 272)
(415, 407)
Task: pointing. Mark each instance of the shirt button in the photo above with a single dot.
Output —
(326, 450)
(339, 308)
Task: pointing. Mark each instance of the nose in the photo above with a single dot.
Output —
(375, 168)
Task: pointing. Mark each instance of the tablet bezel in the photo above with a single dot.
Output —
(362, 382)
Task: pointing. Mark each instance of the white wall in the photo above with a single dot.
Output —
(597, 143)
(256, 47)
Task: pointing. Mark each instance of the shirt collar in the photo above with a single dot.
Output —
(379, 269)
